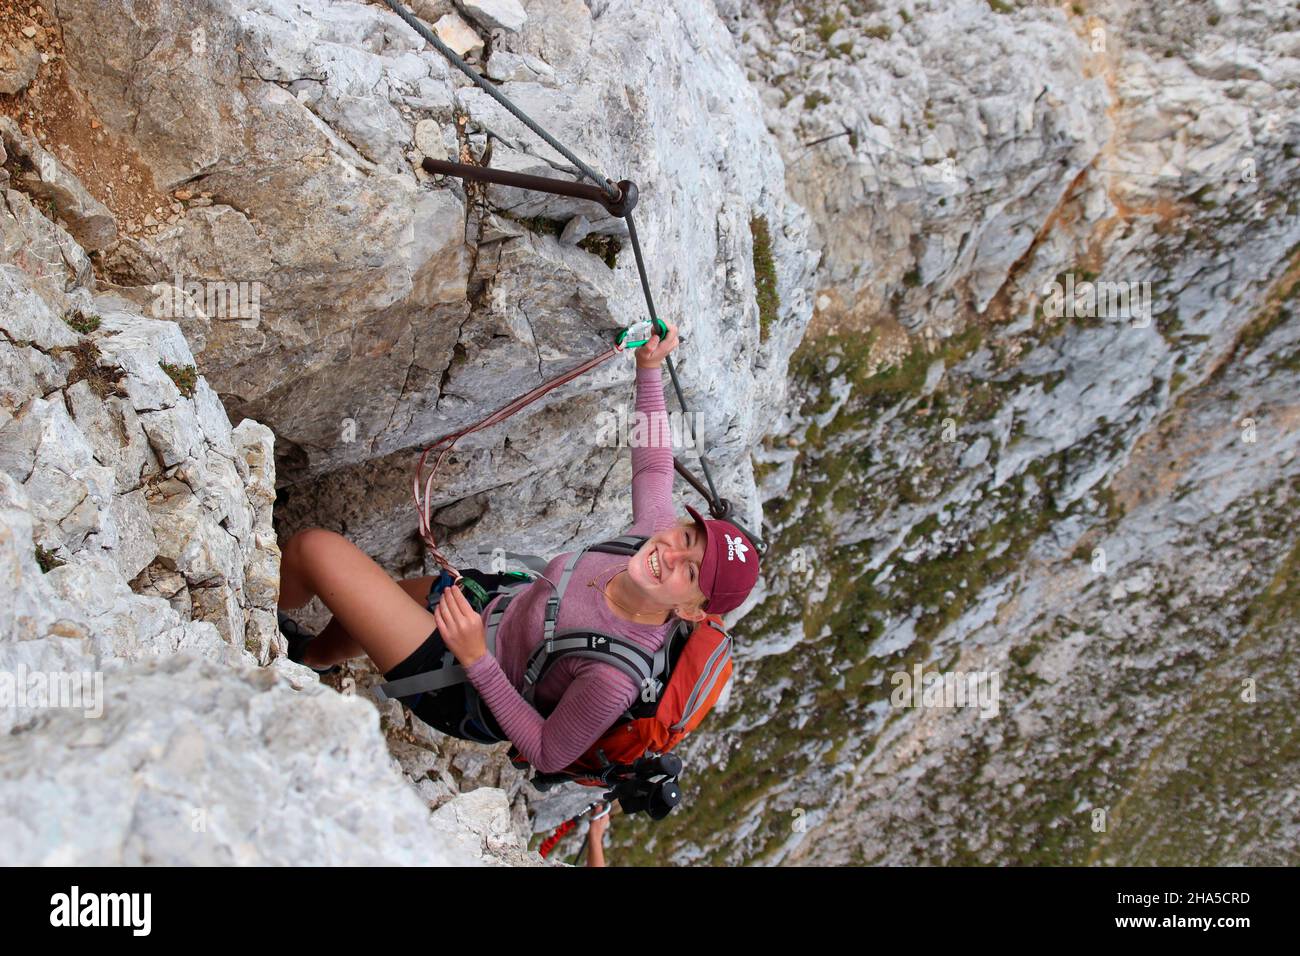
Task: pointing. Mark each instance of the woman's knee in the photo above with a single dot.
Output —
(385, 620)
(298, 555)
(311, 546)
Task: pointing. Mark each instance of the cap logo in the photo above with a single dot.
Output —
(736, 548)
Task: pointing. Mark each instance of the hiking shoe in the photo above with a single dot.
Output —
(298, 639)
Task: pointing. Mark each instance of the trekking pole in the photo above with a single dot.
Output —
(649, 785)
(560, 832)
(578, 856)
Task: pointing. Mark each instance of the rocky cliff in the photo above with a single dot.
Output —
(1095, 503)
(216, 212)
(989, 312)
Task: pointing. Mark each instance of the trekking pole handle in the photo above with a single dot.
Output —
(667, 765)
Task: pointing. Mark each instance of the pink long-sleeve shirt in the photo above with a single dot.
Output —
(583, 696)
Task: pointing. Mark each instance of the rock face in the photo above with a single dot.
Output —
(1020, 386)
(43, 179)
(147, 714)
(230, 773)
(400, 308)
(1094, 503)
(229, 219)
(124, 456)
(18, 64)
(459, 36)
(497, 14)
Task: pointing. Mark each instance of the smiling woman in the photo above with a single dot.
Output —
(431, 641)
(663, 577)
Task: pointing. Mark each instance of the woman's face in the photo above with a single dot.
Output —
(667, 568)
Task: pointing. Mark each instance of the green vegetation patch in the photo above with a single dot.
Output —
(80, 322)
(827, 25)
(186, 377)
(605, 248)
(769, 299)
(87, 367)
(47, 560)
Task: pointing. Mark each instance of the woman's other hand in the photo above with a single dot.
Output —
(653, 353)
(460, 626)
(596, 837)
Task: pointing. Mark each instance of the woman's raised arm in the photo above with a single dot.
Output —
(651, 439)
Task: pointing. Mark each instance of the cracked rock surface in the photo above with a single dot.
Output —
(856, 212)
(149, 714)
(386, 296)
(1097, 506)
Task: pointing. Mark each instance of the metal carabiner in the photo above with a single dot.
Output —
(639, 333)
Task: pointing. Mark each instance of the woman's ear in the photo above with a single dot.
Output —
(692, 614)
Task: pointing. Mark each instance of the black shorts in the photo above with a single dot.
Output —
(448, 709)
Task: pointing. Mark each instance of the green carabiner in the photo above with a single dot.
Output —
(478, 598)
(638, 333)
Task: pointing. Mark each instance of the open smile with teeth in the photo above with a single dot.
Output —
(652, 562)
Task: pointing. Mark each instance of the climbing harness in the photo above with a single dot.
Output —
(619, 199)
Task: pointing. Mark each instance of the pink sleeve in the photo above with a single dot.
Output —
(589, 707)
(652, 457)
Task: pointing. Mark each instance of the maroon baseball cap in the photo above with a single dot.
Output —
(730, 568)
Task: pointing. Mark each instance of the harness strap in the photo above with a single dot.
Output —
(444, 676)
(623, 544)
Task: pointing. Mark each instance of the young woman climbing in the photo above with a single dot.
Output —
(687, 568)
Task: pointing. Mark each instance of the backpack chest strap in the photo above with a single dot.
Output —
(643, 667)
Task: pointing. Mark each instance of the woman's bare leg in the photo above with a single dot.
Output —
(378, 615)
(334, 645)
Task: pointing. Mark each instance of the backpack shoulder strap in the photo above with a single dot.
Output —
(649, 671)
(533, 562)
(628, 544)
(610, 648)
